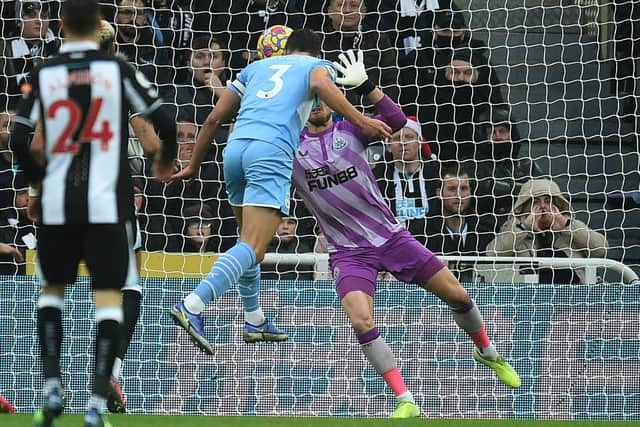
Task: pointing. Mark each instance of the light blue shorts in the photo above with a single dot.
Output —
(257, 173)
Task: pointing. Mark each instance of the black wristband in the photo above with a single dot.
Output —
(365, 87)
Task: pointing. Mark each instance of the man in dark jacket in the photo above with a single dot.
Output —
(137, 40)
(345, 30)
(455, 227)
(449, 108)
(500, 169)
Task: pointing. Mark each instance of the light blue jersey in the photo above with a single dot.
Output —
(276, 99)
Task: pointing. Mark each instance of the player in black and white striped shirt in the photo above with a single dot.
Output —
(83, 97)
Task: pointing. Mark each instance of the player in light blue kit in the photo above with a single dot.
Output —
(273, 98)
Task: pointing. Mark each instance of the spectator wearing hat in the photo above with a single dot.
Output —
(33, 42)
(408, 179)
(287, 241)
(449, 108)
(447, 31)
(543, 224)
(345, 30)
(16, 228)
(411, 25)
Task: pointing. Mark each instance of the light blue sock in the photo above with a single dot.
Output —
(249, 288)
(226, 271)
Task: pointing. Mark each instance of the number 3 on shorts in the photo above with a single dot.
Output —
(276, 78)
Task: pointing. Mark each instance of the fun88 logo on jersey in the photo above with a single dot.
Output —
(321, 178)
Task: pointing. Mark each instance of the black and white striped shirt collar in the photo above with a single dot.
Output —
(79, 46)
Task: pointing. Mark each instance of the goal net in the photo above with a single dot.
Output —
(502, 92)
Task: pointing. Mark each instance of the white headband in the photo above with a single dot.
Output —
(414, 126)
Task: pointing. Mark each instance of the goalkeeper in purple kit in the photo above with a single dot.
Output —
(333, 176)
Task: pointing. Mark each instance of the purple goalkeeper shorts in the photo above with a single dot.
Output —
(403, 256)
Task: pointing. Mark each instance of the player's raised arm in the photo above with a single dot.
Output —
(354, 76)
(146, 134)
(143, 100)
(322, 85)
(225, 109)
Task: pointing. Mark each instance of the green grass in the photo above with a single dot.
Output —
(23, 420)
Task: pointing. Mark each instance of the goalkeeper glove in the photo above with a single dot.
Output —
(354, 74)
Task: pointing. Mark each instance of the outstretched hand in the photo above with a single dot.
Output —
(163, 169)
(185, 174)
(375, 129)
(352, 69)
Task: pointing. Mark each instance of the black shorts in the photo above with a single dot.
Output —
(105, 248)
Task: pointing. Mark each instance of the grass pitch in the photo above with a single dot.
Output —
(23, 420)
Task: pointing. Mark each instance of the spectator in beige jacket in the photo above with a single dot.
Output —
(542, 224)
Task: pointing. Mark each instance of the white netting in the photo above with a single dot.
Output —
(555, 96)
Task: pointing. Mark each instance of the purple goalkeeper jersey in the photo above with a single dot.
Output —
(333, 176)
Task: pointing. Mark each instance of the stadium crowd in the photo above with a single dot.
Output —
(452, 175)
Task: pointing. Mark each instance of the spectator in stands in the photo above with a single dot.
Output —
(200, 229)
(626, 46)
(140, 43)
(345, 30)
(186, 136)
(16, 229)
(543, 225)
(450, 31)
(286, 241)
(450, 108)
(165, 203)
(172, 22)
(454, 221)
(9, 255)
(175, 18)
(187, 133)
(412, 25)
(207, 77)
(447, 31)
(239, 23)
(7, 167)
(408, 181)
(33, 42)
(500, 170)
(406, 23)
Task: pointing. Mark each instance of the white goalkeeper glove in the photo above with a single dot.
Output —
(353, 72)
